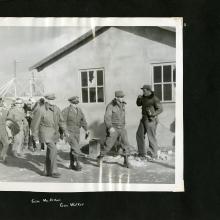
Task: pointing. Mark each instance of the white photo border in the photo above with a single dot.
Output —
(176, 22)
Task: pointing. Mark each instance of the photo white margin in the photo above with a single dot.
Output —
(178, 186)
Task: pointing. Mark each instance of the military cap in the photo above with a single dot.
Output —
(148, 87)
(73, 98)
(18, 101)
(119, 93)
(50, 96)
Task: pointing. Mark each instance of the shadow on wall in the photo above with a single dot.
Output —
(98, 130)
(172, 129)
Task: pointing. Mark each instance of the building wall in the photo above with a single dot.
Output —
(126, 59)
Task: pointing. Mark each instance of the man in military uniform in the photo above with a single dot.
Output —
(151, 108)
(16, 113)
(45, 127)
(74, 120)
(5, 133)
(115, 126)
(31, 144)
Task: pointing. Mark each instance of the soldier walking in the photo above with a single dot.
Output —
(151, 108)
(115, 126)
(45, 125)
(74, 120)
(16, 113)
(32, 145)
(5, 133)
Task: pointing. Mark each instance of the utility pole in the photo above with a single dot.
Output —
(15, 77)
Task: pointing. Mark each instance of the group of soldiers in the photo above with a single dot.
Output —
(44, 124)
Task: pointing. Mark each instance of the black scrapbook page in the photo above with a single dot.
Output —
(83, 80)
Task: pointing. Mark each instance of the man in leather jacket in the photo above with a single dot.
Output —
(151, 108)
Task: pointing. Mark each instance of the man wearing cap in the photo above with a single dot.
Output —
(74, 120)
(17, 114)
(5, 133)
(32, 144)
(45, 127)
(115, 126)
(151, 108)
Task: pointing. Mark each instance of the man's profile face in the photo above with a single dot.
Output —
(19, 105)
(146, 92)
(76, 101)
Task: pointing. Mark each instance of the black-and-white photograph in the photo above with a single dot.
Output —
(91, 104)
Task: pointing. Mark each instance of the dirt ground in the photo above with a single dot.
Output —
(30, 166)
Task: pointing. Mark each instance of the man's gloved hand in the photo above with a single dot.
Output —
(10, 139)
(111, 130)
(87, 134)
(66, 137)
(140, 96)
(37, 143)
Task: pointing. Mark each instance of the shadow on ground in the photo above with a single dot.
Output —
(29, 162)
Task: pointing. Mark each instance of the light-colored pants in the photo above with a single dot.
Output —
(74, 140)
(112, 138)
(17, 146)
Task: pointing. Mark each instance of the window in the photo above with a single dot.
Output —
(164, 81)
(92, 85)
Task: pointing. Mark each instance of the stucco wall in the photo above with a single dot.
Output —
(126, 60)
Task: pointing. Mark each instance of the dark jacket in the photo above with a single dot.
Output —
(151, 105)
(115, 115)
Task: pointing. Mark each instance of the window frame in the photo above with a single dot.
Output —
(95, 70)
(162, 64)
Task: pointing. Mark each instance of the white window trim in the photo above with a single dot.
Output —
(96, 86)
(163, 83)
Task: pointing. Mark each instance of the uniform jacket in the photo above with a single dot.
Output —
(18, 115)
(74, 119)
(115, 114)
(46, 123)
(3, 118)
(151, 105)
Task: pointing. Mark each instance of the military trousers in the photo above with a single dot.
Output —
(73, 141)
(148, 127)
(112, 138)
(51, 158)
(18, 142)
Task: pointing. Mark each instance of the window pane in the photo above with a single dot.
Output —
(167, 73)
(92, 79)
(85, 95)
(167, 92)
(174, 73)
(158, 91)
(84, 78)
(157, 74)
(92, 94)
(100, 78)
(174, 92)
(100, 94)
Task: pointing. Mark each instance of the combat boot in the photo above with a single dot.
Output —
(100, 160)
(77, 165)
(71, 161)
(126, 163)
